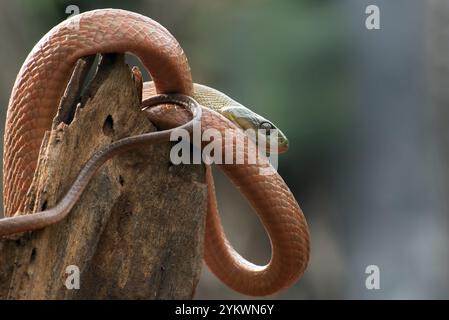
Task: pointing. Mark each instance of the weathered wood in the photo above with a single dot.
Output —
(137, 230)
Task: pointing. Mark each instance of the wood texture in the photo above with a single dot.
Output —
(137, 231)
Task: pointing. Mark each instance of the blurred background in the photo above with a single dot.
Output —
(366, 113)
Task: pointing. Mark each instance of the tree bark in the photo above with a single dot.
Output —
(137, 230)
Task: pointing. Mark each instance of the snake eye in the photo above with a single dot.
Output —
(266, 126)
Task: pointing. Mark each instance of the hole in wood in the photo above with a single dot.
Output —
(108, 126)
(44, 205)
(33, 254)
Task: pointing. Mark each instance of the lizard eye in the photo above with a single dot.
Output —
(266, 126)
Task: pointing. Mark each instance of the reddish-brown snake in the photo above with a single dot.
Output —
(34, 99)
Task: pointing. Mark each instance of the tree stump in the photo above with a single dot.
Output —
(137, 230)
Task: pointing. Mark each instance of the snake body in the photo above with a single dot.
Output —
(35, 96)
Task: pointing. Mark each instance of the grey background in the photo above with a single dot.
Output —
(364, 112)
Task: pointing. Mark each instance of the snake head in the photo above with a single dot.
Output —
(247, 119)
(240, 115)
